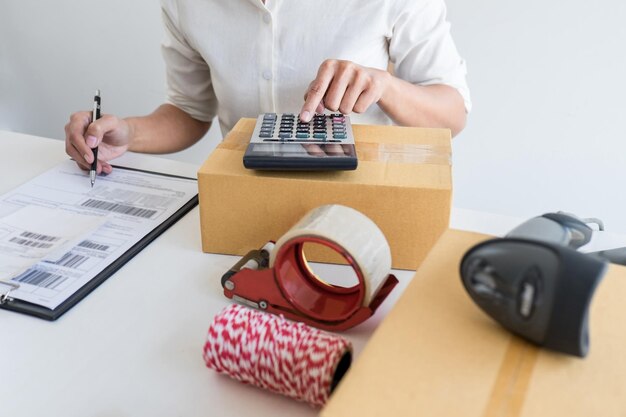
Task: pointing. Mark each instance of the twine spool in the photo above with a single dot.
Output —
(285, 357)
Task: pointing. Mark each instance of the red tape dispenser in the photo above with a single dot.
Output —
(278, 279)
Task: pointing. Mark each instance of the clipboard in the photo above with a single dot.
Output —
(13, 304)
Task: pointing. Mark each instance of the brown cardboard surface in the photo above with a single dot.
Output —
(438, 354)
(241, 209)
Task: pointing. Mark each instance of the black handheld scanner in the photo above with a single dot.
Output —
(535, 284)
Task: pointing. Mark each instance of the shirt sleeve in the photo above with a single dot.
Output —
(422, 50)
(188, 76)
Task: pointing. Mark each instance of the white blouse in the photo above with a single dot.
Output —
(240, 58)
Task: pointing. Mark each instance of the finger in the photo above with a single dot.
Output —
(98, 129)
(95, 133)
(353, 92)
(342, 79)
(76, 156)
(106, 167)
(365, 100)
(74, 139)
(317, 89)
(320, 107)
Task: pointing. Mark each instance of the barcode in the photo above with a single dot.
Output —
(71, 260)
(31, 243)
(40, 278)
(119, 208)
(91, 245)
(37, 236)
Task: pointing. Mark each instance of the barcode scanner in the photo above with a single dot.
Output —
(535, 284)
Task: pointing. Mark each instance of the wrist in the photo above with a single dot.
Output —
(130, 126)
(388, 87)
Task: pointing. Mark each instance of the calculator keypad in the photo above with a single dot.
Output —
(287, 127)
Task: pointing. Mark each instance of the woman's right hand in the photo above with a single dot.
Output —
(110, 134)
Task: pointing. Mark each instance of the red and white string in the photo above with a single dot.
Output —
(273, 353)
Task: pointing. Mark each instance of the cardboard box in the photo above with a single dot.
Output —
(403, 183)
(438, 354)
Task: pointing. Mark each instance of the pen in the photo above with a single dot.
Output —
(95, 115)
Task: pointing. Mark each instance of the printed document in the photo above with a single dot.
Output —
(57, 232)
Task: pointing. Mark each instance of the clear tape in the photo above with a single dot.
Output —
(377, 152)
(351, 230)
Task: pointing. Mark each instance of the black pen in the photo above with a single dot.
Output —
(95, 115)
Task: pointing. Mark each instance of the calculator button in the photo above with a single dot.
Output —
(284, 135)
(319, 135)
(339, 135)
(265, 135)
(302, 135)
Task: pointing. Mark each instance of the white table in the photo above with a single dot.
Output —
(125, 351)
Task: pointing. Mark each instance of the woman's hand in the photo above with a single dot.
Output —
(110, 134)
(343, 86)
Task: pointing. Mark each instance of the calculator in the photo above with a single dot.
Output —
(280, 141)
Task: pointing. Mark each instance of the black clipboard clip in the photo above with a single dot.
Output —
(4, 296)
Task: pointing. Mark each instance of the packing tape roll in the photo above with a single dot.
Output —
(352, 231)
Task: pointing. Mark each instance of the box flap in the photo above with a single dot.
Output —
(437, 353)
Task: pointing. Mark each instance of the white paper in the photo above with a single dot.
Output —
(129, 204)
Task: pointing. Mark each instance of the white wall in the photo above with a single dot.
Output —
(55, 54)
(547, 132)
(548, 80)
